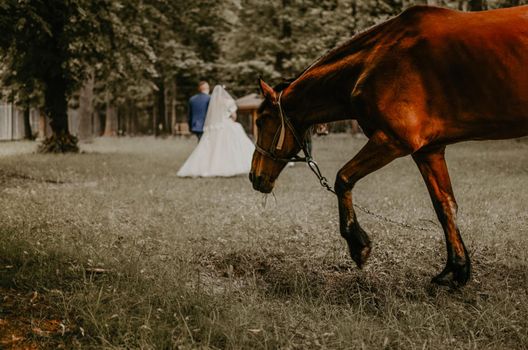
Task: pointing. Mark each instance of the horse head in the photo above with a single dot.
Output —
(277, 141)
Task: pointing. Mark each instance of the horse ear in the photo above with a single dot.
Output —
(267, 91)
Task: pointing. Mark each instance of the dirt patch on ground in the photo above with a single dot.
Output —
(6, 177)
(28, 322)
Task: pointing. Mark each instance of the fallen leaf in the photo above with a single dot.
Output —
(40, 332)
(34, 297)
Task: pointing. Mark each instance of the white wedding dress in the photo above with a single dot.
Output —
(224, 148)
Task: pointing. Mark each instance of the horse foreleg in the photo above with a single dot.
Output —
(434, 171)
(379, 151)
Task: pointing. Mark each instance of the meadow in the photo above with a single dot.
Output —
(108, 249)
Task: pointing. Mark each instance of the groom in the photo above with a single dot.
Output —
(198, 109)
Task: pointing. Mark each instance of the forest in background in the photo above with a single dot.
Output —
(133, 64)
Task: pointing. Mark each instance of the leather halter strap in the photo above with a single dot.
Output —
(312, 164)
(282, 134)
(285, 123)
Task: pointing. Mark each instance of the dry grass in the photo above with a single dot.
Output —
(127, 255)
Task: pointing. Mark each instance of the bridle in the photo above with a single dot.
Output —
(278, 142)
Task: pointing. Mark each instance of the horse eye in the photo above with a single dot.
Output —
(259, 123)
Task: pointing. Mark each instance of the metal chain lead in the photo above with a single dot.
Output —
(314, 167)
(386, 219)
(312, 164)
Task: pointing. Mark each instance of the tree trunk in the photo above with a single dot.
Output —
(159, 115)
(131, 119)
(56, 86)
(121, 113)
(96, 124)
(56, 107)
(86, 110)
(28, 133)
(354, 127)
(476, 5)
(173, 118)
(42, 125)
(125, 118)
(111, 118)
(168, 109)
(152, 116)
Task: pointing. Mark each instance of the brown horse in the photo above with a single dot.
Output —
(416, 83)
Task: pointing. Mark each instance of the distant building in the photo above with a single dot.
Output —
(247, 111)
(12, 123)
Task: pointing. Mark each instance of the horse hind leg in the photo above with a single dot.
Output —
(378, 152)
(434, 171)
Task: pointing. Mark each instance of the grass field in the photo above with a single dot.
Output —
(108, 249)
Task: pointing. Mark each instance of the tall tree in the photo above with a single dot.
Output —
(28, 134)
(46, 47)
(125, 69)
(86, 109)
(35, 50)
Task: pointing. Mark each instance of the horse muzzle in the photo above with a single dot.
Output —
(261, 183)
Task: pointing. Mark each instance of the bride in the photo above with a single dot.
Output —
(224, 149)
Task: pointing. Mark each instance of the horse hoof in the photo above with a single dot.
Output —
(360, 256)
(443, 279)
(453, 276)
(358, 243)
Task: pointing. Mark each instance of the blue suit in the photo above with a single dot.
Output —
(197, 111)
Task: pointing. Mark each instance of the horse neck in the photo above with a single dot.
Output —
(323, 93)
(315, 99)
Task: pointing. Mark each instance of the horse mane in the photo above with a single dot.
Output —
(283, 85)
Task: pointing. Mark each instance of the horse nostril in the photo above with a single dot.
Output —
(256, 181)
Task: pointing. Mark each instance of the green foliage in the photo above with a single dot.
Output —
(125, 64)
(43, 40)
(45, 55)
(280, 38)
(137, 49)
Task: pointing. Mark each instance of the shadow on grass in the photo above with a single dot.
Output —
(118, 305)
(215, 300)
(7, 177)
(342, 283)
